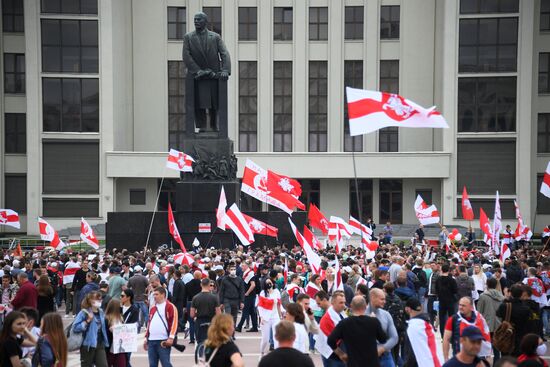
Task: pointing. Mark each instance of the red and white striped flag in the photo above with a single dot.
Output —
(179, 161)
(10, 218)
(424, 213)
(545, 186)
(248, 275)
(313, 259)
(454, 236)
(359, 228)
(497, 225)
(47, 233)
(259, 227)
(235, 220)
(327, 324)
(338, 226)
(338, 276)
(173, 228)
(504, 251)
(220, 211)
(522, 231)
(87, 234)
(310, 238)
(369, 111)
(70, 270)
(423, 342)
(546, 232)
(467, 210)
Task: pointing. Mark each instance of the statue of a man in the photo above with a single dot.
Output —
(207, 61)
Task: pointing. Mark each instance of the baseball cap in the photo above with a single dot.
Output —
(414, 304)
(472, 333)
(138, 268)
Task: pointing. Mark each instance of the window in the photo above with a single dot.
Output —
(250, 204)
(388, 138)
(485, 166)
(311, 192)
(542, 201)
(214, 14)
(70, 104)
(543, 133)
(176, 104)
(354, 22)
(137, 196)
(248, 23)
(544, 72)
(167, 194)
(365, 199)
(70, 208)
(507, 208)
(488, 6)
(177, 22)
(353, 77)
(70, 167)
(545, 15)
(488, 45)
(391, 201)
(70, 46)
(389, 22)
(12, 16)
(14, 73)
(248, 106)
(426, 194)
(16, 133)
(487, 104)
(282, 24)
(318, 91)
(282, 106)
(16, 193)
(69, 6)
(318, 23)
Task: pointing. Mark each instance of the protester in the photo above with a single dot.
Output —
(446, 290)
(14, 335)
(519, 314)
(470, 346)
(359, 334)
(220, 350)
(532, 348)
(138, 284)
(90, 286)
(295, 314)
(420, 346)
(231, 294)
(285, 355)
(79, 281)
(269, 310)
(51, 349)
(204, 307)
(90, 321)
(113, 318)
(487, 305)
(376, 309)
(27, 295)
(179, 299)
(192, 288)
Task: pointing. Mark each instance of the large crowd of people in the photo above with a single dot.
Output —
(410, 305)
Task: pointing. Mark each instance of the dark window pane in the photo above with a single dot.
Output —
(488, 6)
(543, 133)
(70, 167)
(542, 201)
(391, 201)
(137, 196)
(282, 106)
(12, 16)
(282, 26)
(318, 92)
(353, 77)
(318, 23)
(14, 73)
(248, 109)
(544, 72)
(389, 22)
(248, 23)
(15, 193)
(214, 14)
(365, 200)
(485, 166)
(70, 208)
(176, 104)
(177, 22)
(69, 6)
(354, 18)
(507, 208)
(15, 133)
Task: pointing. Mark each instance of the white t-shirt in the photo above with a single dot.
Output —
(480, 281)
(301, 343)
(157, 330)
(272, 314)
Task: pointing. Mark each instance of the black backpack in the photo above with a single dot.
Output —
(397, 311)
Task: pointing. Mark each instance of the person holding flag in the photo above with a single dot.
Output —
(251, 285)
(269, 309)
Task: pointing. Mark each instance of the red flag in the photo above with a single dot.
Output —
(179, 161)
(310, 238)
(313, 259)
(47, 233)
(285, 272)
(317, 219)
(18, 252)
(259, 227)
(467, 210)
(10, 218)
(369, 111)
(485, 225)
(283, 190)
(87, 234)
(545, 186)
(174, 229)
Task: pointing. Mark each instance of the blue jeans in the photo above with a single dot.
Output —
(191, 323)
(332, 362)
(144, 312)
(386, 360)
(545, 313)
(155, 353)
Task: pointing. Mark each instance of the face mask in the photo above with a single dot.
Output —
(97, 304)
(541, 350)
(233, 273)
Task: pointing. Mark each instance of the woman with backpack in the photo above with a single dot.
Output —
(219, 349)
(91, 322)
(51, 349)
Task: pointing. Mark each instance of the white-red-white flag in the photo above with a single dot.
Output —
(497, 225)
(338, 226)
(259, 227)
(313, 259)
(424, 213)
(173, 228)
(359, 228)
(467, 210)
(545, 186)
(504, 251)
(522, 231)
(328, 322)
(235, 220)
(179, 161)
(87, 234)
(311, 239)
(10, 218)
(424, 343)
(369, 111)
(338, 276)
(47, 233)
(546, 232)
(70, 270)
(220, 211)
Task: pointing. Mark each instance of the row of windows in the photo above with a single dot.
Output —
(283, 22)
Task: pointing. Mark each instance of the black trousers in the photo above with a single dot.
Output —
(446, 310)
(249, 310)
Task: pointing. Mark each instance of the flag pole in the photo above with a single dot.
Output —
(153, 216)
(357, 196)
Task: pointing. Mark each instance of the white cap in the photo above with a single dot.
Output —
(206, 259)
(217, 267)
(138, 268)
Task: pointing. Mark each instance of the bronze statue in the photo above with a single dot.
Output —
(207, 60)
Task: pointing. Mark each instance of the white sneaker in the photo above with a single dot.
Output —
(68, 316)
